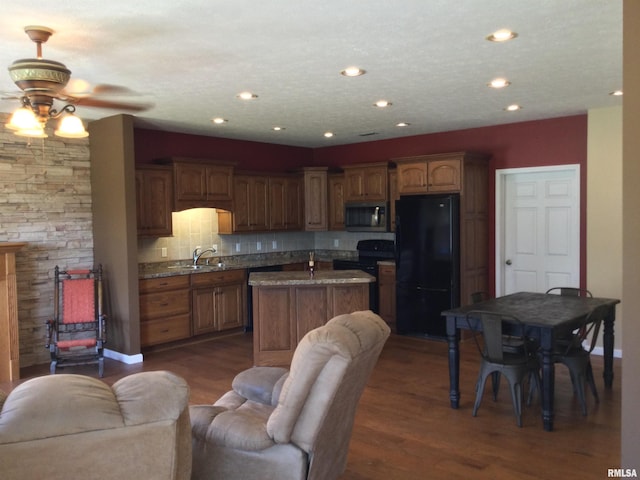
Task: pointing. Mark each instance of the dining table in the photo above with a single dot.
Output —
(545, 318)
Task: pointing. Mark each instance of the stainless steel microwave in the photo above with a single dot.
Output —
(366, 217)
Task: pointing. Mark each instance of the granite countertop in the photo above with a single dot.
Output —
(236, 262)
(320, 277)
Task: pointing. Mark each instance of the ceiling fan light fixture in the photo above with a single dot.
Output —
(36, 132)
(71, 126)
(23, 119)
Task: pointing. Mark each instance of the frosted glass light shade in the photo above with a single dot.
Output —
(71, 126)
(23, 119)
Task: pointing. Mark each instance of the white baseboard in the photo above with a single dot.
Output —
(121, 357)
(617, 353)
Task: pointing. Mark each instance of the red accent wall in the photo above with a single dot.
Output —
(556, 141)
(153, 144)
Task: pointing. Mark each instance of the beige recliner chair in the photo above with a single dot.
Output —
(278, 424)
(77, 427)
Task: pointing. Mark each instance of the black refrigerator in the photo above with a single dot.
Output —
(427, 263)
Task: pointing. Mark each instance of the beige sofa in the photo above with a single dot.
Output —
(77, 427)
(291, 425)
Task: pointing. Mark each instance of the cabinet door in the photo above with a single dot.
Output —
(294, 204)
(387, 293)
(393, 196)
(354, 185)
(229, 307)
(259, 204)
(444, 175)
(241, 201)
(204, 310)
(336, 202)
(277, 203)
(154, 197)
(315, 200)
(190, 182)
(219, 183)
(375, 184)
(412, 178)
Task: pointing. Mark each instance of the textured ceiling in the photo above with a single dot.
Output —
(428, 57)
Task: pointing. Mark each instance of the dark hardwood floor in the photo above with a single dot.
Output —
(404, 426)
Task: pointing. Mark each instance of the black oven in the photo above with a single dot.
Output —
(370, 252)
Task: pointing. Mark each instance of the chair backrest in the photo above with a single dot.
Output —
(78, 295)
(570, 291)
(589, 329)
(329, 370)
(492, 346)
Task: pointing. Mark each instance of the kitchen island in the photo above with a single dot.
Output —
(286, 305)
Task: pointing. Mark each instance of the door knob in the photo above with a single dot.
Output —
(508, 262)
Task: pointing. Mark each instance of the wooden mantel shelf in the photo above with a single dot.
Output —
(9, 345)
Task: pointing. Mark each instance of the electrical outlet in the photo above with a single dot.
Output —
(274, 244)
(258, 246)
(163, 252)
(336, 242)
(238, 247)
(215, 247)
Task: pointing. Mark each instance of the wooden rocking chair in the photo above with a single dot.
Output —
(77, 332)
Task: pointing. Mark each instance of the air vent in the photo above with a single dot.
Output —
(368, 134)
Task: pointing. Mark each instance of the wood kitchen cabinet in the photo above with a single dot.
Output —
(366, 183)
(154, 198)
(430, 173)
(387, 294)
(393, 196)
(315, 198)
(201, 183)
(218, 300)
(250, 204)
(286, 202)
(336, 201)
(164, 309)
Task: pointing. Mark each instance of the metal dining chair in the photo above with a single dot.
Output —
(516, 365)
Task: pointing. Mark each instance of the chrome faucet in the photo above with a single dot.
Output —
(197, 254)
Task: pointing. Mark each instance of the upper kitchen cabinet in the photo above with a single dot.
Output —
(315, 198)
(336, 201)
(154, 197)
(442, 173)
(250, 204)
(202, 183)
(366, 183)
(286, 202)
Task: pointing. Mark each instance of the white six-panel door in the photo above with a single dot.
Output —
(537, 228)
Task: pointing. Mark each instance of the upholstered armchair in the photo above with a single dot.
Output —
(279, 424)
(77, 427)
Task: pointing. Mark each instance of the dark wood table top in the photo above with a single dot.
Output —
(538, 309)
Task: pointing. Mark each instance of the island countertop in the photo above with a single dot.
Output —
(320, 277)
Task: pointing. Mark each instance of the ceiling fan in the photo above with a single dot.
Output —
(43, 81)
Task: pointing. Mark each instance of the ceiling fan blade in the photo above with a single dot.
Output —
(116, 105)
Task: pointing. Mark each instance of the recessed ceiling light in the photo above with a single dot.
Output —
(502, 35)
(328, 134)
(499, 83)
(513, 108)
(402, 124)
(278, 129)
(247, 96)
(616, 93)
(353, 72)
(382, 104)
(219, 120)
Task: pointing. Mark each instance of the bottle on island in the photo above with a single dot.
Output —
(311, 264)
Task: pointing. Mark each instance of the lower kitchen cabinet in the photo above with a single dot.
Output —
(218, 301)
(387, 294)
(164, 310)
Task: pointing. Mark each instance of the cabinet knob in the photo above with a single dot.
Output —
(508, 262)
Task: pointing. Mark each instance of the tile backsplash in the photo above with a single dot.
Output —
(199, 227)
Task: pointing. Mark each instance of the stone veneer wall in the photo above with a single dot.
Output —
(45, 201)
